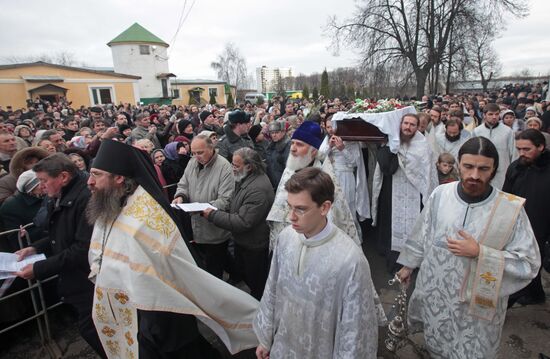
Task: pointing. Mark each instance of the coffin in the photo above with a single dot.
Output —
(356, 129)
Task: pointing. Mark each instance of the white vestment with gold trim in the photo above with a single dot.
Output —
(142, 262)
(438, 306)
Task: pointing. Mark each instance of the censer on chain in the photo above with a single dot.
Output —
(398, 327)
(398, 330)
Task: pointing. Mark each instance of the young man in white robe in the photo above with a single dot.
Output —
(474, 246)
(319, 299)
(501, 136)
(347, 159)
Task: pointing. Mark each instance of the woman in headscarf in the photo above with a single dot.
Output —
(158, 158)
(177, 157)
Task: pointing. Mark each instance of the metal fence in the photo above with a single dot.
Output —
(34, 287)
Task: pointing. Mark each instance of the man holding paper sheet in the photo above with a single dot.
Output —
(68, 241)
(208, 178)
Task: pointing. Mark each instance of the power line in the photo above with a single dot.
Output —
(181, 22)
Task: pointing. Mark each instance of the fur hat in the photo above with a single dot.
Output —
(238, 116)
(277, 126)
(17, 164)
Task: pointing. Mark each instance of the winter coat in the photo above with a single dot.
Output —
(212, 183)
(247, 212)
(19, 210)
(276, 156)
(531, 183)
(67, 244)
(231, 142)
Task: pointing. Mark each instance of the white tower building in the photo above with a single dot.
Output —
(137, 51)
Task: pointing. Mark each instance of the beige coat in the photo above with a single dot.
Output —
(213, 184)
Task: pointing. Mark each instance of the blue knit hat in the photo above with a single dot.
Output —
(310, 133)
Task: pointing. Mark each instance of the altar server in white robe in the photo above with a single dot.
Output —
(474, 246)
(319, 300)
(501, 136)
(347, 159)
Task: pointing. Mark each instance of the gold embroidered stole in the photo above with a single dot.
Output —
(484, 277)
(115, 320)
(143, 263)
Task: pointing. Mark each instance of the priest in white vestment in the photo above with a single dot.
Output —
(148, 289)
(501, 136)
(402, 184)
(319, 300)
(474, 246)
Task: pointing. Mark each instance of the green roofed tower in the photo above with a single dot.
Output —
(137, 34)
(137, 51)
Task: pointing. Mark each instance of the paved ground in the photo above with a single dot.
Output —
(526, 331)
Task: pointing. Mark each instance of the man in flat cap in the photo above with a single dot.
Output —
(236, 134)
(148, 289)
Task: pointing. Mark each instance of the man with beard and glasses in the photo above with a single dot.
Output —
(474, 246)
(68, 241)
(149, 292)
(501, 136)
(528, 177)
(402, 183)
(245, 218)
(454, 136)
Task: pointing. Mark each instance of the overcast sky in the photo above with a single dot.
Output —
(285, 33)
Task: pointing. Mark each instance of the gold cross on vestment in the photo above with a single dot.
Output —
(488, 276)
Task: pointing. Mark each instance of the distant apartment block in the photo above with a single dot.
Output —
(268, 78)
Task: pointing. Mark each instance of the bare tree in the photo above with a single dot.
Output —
(231, 66)
(63, 57)
(482, 55)
(418, 31)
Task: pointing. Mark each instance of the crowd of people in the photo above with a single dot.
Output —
(460, 198)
